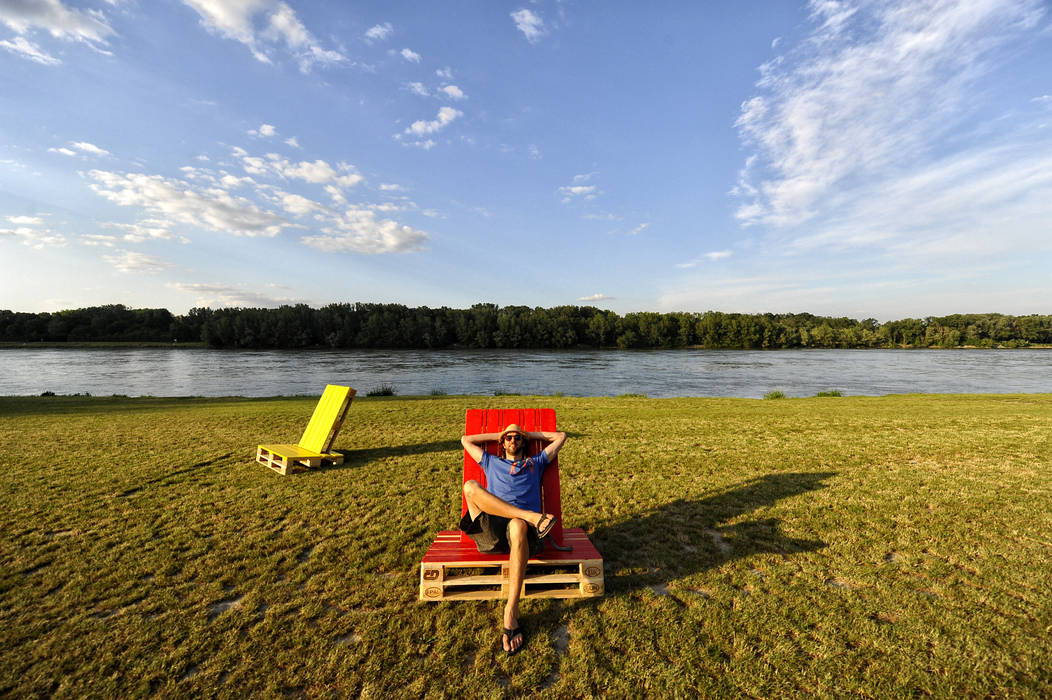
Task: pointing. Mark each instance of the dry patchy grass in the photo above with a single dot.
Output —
(856, 546)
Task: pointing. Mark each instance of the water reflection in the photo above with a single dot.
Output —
(668, 373)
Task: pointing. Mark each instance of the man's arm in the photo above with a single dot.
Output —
(555, 442)
(475, 445)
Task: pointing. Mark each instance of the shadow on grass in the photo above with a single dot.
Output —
(685, 537)
(359, 458)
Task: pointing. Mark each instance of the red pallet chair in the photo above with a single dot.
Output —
(568, 567)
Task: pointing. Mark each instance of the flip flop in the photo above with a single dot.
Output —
(543, 532)
(511, 634)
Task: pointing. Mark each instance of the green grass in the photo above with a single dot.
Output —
(872, 547)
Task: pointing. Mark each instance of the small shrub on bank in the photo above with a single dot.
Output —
(826, 394)
(771, 395)
(384, 390)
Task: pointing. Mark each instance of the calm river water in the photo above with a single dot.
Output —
(660, 373)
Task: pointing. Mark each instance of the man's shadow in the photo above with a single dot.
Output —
(686, 537)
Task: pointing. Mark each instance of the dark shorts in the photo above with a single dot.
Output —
(490, 533)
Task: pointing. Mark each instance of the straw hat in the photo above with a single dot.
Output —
(512, 428)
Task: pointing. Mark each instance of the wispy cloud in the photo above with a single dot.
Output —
(223, 295)
(410, 55)
(56, 19)
(80, 147)
(27, 49)
(595, 297)
(379, 32)
(529, 23)
(873, 90)
(711, 257)
(280, 28)
(32, 232)
(638, 229)
(869, 137)
(129, 261)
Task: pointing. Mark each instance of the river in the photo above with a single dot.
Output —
(657, 373)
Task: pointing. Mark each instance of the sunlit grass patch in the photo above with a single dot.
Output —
(873, 546)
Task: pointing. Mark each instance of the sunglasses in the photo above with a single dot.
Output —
(516, 437)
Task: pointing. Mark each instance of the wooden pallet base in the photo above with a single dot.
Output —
(453, 569)
(285, 458)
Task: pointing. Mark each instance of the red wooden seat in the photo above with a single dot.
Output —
(453, 568)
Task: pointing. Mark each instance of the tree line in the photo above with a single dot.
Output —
(363, 325)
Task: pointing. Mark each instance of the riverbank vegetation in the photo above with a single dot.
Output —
(492, 326)
(833, 547)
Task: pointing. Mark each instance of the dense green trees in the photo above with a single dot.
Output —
(490, 326)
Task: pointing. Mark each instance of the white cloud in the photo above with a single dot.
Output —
(418, 89)
(264, 131)
(578, 189)
(221, 295)
(530, 24)
(444, 118)
(89, 148)
(147, 230)
(237, 20)
(718, 255)
(874, 89)
(316, 172)
(595, 297)
(379, 32)
(534, 152)
(638, 229)
(410, 55)
(82, 146)
(56, 19)
(358, 230)
(445, 73)
(26, 230)
(291, 141)
(131, 262)
(27, 49)
(453, 92)
(212, 208)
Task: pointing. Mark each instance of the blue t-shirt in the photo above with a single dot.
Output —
(519, 482)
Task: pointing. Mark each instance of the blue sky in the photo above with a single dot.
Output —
(856, 158)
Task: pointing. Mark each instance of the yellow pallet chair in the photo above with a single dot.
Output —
(314, 448)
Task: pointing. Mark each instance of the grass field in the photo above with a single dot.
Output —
(852, 546)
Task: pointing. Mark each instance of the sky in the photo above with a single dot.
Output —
(860, 158)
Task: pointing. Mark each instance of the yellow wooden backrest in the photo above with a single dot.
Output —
(327, 418)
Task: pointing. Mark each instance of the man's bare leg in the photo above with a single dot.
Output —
(520, 552)
(482, 501)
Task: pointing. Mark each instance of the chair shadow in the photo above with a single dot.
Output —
(358, 458)
(686, 537)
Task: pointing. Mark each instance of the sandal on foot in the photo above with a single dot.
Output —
(543, 532)
(511, 634)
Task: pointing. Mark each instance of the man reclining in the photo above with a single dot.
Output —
(506, 515)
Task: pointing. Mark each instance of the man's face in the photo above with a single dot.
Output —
(514, 444)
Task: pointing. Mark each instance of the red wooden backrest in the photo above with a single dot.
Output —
(494, 420)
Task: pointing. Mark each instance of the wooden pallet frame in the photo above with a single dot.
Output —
(552, 574)
(294, 458)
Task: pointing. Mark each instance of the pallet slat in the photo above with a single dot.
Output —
(552, 574)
